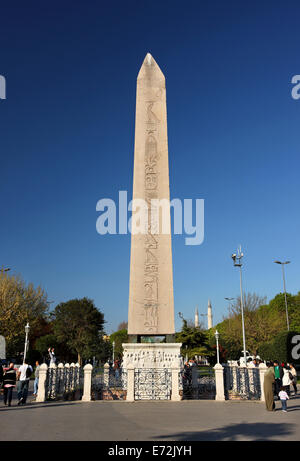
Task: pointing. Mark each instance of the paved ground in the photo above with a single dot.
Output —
(150, 421)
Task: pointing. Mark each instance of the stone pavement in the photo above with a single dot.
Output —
(151, 421)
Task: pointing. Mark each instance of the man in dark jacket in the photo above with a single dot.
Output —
(9, 382)
(278, 377)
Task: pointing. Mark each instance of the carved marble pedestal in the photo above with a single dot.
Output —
(152, 370)
(152, 355)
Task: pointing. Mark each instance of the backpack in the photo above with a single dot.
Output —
(28, 372)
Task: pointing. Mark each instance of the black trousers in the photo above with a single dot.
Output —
(8, 394)
(278, 384)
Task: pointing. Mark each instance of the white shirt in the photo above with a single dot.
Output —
(22, 370)
(283, 395)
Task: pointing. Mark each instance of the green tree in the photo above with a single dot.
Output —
(263, 322)
(79, 325)
(119, 337)
(194, 341)
(20, 303)
(62, 351)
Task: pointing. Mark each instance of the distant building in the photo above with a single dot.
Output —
(196, 318)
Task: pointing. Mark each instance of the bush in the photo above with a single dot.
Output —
(279, 348)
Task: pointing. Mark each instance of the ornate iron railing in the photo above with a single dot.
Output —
(197, 383)
(152, 384)
(242, 382)
(64, 382)
(109, 382)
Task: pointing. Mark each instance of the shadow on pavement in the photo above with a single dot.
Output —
(36, 406)
(243, 431)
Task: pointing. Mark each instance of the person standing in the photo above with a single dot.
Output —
(52, 356)
(278, 371)
(283, 398)
(9, 382)
(294, 374)
(36, 378)
(1, 375)
(269, 379)
(287, 379)
(24, 374)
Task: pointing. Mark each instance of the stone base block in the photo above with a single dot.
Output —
(152, 355)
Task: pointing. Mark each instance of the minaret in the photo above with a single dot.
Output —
(151, 304)
(209, 315)
(196, 318)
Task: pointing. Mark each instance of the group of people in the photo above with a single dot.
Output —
(278, 380)
(11, 377)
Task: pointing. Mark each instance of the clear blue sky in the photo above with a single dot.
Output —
(67, 139)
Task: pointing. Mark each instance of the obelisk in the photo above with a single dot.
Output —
(151, 304)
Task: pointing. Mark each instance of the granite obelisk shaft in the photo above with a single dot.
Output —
(151, 303)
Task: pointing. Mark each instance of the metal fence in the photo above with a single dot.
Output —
(109, 384)
(64, 382)
(152, 384)
(242, 383)
(197, 383)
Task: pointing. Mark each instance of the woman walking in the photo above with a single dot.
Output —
(9, 382)
(269, 380)
(286, 379)
(294, 374)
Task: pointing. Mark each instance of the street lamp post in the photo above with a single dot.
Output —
(217, 344)
(238, 257)
(27, 328)
(285, 299)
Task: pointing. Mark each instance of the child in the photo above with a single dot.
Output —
(283, 398)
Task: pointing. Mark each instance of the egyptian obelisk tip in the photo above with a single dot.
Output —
(150, 69)
(148, 59)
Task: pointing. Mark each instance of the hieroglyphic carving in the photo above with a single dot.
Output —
(152, 118)
(151, 266)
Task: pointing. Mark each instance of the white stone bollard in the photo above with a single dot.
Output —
(41, 395)
(106, 375)
(262, 369)
(175, 396)
(130, 383)
(219, 374)
(87, 385)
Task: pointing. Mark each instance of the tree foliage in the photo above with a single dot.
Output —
(278, 348)
(79, 325)
(20, 303)
(262, 322)
(119, 337)
(194, 341)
